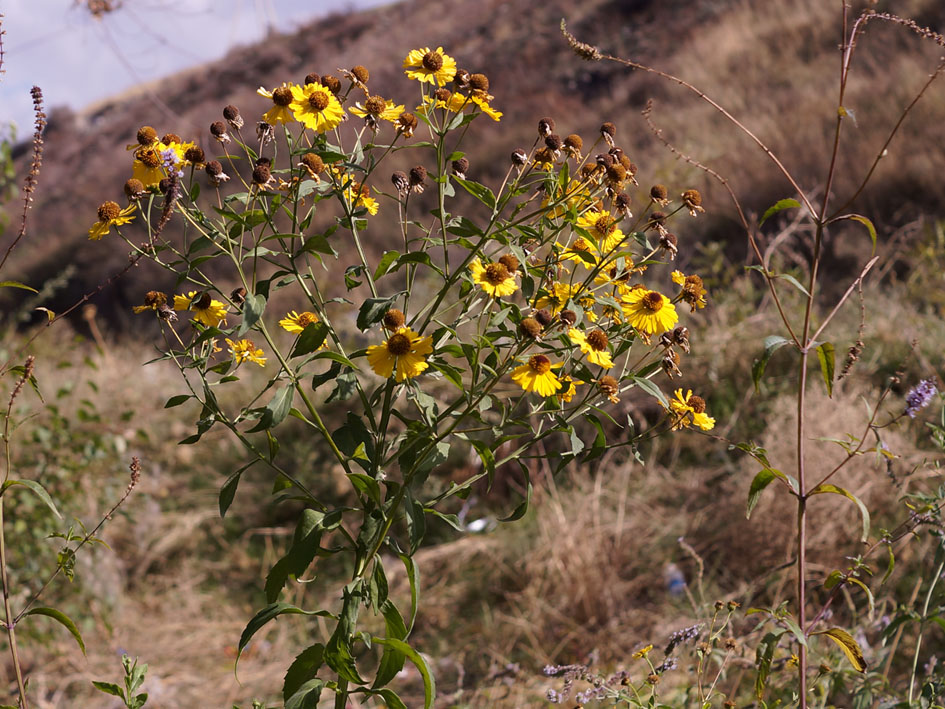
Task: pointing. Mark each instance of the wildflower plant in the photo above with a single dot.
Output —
(509, 315)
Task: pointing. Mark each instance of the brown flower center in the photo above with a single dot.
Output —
(306, 319)
(146, 135)
(202, 303)
(539, 364)
(318, 101)
(510, 262)
(149, 158)
(652, 301)
(581, 245)
(375, 105)
(155, 299)
(432, 61)
(598, 340)
(394, 319)
(697, 403)
(398, 344)
(496, 273)
(608, 384)
(693, 283)
(282, 96)
(604, 225)
(108, 211)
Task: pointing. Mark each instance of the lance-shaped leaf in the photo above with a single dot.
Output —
(849, 646)
(864, 512)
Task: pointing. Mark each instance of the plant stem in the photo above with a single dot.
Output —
(10, 623)
(918, 640)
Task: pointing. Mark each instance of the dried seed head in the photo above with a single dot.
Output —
(670, 243)
(263, 161)
(731, 644)
(313, 162)
(597, 339)
(282, 96)
(656, 219)
(149, 157)
(264, 132)
(605, 160)
(692, 198)
(417, 175)
(313, 78)
(546, 126)
(398, 344)
(406, 124)
(154, 299)
(608, 130)
(442, 94)
(653, 679)
(146, 135)
(616, 173)
(214, 168)
(586, 51)
(608, 385)
(261, 175)
(375, 105)
(108, 211)
(332, 83)
(360, 73)
(510, 262)
(554, 141)
(460, 167)
(544, 317)
(670, 364)
(394, 319)
(681, 338)
(573, 144)
(529, 327)
(462, 79)
(238, 295)
(195, 154)
(568, 317)
(545, 156)
(622, 202)
(479, 82)
(519, 157)
(232, 115)
(401, 182)
(134, 189)
(697, 403)
(218, 129)
(432, 61)
(658, 193)
(169, 138)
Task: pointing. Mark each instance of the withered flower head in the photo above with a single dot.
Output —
(573, 144)
(401, 182)
(519, 157)
(670, 364)
(218, 131)
(375, 105)
(693, 201)
(134, 189)
(605, 160)
(681, 338)
(659, 194)
(608, 132)
(263, 160)
(609, 387)
(510, 262)
(232, 115)
(656, 219)
(479, 81)
(238, 295)
(418, 174)
(461, 79)
(169, 138)
(544, 317)
(669, 242)
(554, 142)
(529, 327)
(264, 132)
(262, 175)
(312, 163)
(194, 154)
(406, 124)
(332, 83)
(360, 73)
(394, 319)
(622, 204)
(616, 174)
(313, 78)
(546, 126)
(460, 167)
(568, 317)
(442, 94)
(146, 136)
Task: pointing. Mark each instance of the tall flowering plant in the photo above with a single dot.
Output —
(521, 320)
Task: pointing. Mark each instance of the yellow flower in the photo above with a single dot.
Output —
(693, 291)
(295, 322)
(405, 349)
(642, 652)
(594, 345)
(649, 312)
(359, 195)
(281, 111)
(153, 300)
(537, 376)
(494, 278)
(482, 101)
(690, 410)
(109, 215)
(569, 389)
(206, 310)
(148, 165)
(245, 350)
(377, 108)
(581, 252)
(430, 67)
(315, 107)
(558, 297)
(603, 228)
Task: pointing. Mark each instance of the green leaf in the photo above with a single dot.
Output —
(849, 646)
(480, 192)
(305, 545)
(310, 339)
(865, 222)
(390, 699)
(176, 400)
(17, 284)
(761, 481)
(228, 490)
(276, 410)
(772, 344)
(429, 686)
(63, 619)
(864, 512)
(522, 507)
(651, 389)
(413, 576)
(763, 656)
(833, 579)
(384, 264)
(778, 206)
(253, 308)
(825, 353)
(36, 488)
(307, 696)
(270, 612)
(392, 661)
(303, 668)
(793, 281)
(109, 688)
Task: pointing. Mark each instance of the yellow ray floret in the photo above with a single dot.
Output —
(206, 310)
(648, 311)
(536, 375)
(493, 278)
(405, 350)
(315, 107)
(429, 66)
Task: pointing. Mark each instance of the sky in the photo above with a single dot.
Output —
(77, 59)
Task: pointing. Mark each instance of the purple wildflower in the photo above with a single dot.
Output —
(919, 397)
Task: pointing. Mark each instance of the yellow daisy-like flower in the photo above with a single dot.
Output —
(206, 310)
(569, 389)
(359, 195)
(430, 66)
(581, 252)
(455, 103)
(537, 376)
(603, 228)
(690, 410)
(594, 345)
(649, 312)
(295, 322)
(281, 111)
(642, 652)
(482, 101)
(693, 291)
(153, 300)
(557, 297)
(377, 108)
(405, 349)
(494, 278)
(110, 214)
(148, 165)
(245, 350)
(315, 107)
